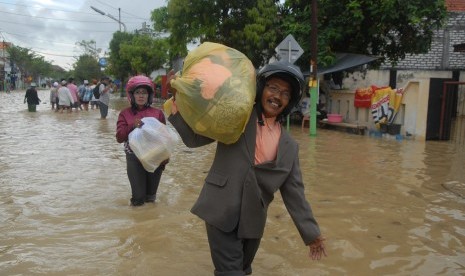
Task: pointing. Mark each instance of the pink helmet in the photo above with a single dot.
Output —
(138, 81)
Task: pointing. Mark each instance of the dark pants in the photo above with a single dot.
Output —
(144, 184)
(231, 256)
(103, 110)
(31, 107)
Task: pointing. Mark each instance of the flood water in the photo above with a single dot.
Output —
(386, 207)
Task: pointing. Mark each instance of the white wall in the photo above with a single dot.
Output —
(358, 79)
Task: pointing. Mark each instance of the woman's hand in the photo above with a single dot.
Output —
(138, 123)
(317, 249)
(171, 76)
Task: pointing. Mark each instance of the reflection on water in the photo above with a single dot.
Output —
(386, 207)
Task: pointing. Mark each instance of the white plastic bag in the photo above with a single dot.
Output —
(152, 143)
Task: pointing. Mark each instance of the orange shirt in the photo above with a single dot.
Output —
(266, 143)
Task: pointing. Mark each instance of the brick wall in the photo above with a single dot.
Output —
(441, 55)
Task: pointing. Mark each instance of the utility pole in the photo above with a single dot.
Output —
(122, 94)
(119, 18)
(111, 16)
(4, 72)
(313, 83)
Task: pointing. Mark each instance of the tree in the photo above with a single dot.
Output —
(144, 54)
(117, 65)
(87, 68)
(246, 25)
(132, 54)
(389, 29)
(28, 63)
(90, 48)
(21, 58)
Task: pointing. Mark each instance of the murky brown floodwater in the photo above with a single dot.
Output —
(386, 207)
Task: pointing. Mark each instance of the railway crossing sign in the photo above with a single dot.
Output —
(289, 50)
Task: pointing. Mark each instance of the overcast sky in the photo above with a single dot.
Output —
(52, 28)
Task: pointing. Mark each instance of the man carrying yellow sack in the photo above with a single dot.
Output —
(245, 175)
(216, 91)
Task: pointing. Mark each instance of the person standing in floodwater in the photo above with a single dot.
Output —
(93, 100)
(144, 184)
(54, 96)
(31, 98)
(85, 94)
(65, 99)
(104, 100)
(245, 175)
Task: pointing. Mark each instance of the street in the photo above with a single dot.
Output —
(386, 207)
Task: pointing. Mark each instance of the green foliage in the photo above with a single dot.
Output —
(89, 48)
(389, 28)
(144, 54)
(132, 54)
(28, 63)
(160, 17)
(246, 25)
(118, 66)
(86, 68)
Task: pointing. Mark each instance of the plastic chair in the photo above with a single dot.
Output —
(305, 118)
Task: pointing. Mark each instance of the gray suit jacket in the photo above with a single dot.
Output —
(236, 192)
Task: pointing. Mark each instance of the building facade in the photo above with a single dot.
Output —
(424, 77)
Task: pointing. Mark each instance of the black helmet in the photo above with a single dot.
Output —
(289, 73)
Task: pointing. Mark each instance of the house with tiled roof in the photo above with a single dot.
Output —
(433, 105)
(455, 5)
(4, 64)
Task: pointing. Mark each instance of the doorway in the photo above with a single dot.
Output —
(453, 112)
(446, 110)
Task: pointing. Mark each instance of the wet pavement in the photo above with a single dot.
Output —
(386, 207)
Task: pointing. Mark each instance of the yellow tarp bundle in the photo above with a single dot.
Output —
(216, 91)
(395, 102)
(385, 103)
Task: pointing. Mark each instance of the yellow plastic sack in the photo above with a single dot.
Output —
(216, 91)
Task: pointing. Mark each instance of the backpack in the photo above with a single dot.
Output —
(96, 91)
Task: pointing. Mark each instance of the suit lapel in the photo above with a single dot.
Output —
(250, 134)
(283, 144)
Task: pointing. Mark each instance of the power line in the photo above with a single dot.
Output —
(61, 27)
(60, 19)
(56, 55)
(44, 53)
(123, 11)
(33, 38)
(48, 9)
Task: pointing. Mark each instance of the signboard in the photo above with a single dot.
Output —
(103, 62)
(289, 50)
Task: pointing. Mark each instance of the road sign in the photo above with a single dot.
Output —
(103, 62)
(289, 50)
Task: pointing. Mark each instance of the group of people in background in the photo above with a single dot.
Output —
(66, 95)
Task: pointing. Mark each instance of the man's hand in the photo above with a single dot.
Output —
(317, 249)
(174, 108)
